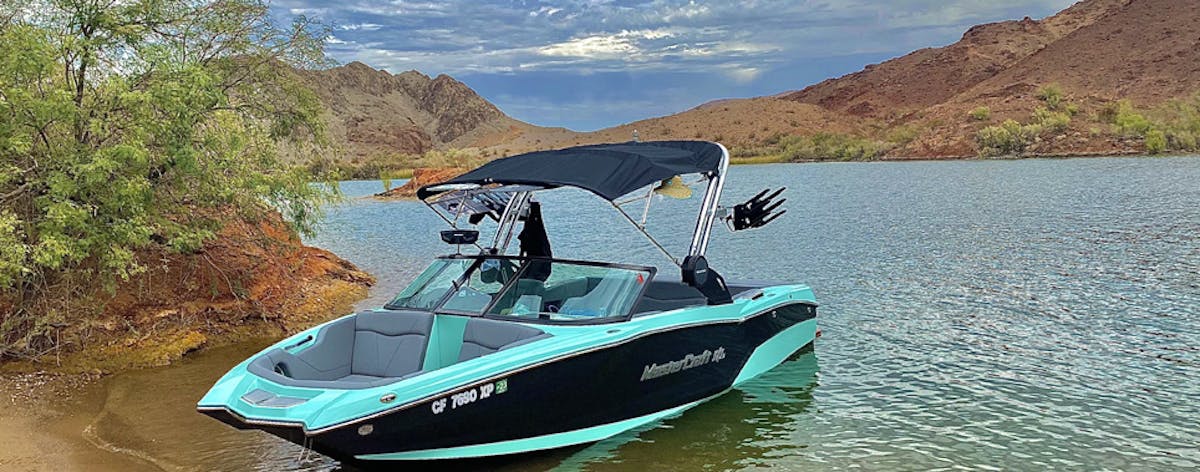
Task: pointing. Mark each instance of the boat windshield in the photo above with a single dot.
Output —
(529, 289)
(430, 287)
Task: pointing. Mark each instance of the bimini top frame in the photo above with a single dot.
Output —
(501, 189)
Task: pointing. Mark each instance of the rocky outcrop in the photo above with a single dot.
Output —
(374, 112)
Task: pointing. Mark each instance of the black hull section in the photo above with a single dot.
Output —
(642, 376)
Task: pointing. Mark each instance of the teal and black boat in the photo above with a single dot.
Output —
(505, 351)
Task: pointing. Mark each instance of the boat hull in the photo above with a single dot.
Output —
(578, 398)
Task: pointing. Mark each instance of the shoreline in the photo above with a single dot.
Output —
(769, 159)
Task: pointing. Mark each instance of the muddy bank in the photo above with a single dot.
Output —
(421, 177)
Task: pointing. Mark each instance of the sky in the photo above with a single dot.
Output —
(591, 64)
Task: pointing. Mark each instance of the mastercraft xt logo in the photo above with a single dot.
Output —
(654, 371)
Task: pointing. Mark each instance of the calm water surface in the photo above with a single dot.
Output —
(1026, 314)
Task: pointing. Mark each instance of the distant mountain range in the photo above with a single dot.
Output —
(1093, 54)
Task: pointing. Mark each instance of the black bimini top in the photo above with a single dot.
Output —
(607, 170)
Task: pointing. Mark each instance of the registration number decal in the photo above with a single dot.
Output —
(469, 396)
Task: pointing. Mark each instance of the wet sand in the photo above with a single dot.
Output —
(44, 425)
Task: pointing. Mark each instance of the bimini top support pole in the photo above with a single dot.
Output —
(508, 221)
(709, 207)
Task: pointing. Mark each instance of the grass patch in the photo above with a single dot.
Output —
(763, 159)
(388, 166)
(814, 147)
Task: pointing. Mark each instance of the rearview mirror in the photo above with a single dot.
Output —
(460, 236)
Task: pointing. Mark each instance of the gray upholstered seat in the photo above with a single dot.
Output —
(389, 344)
(665, 295)
(369, 349)
(483, 336)
(662, 295)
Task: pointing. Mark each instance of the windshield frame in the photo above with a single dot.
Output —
(508, 285)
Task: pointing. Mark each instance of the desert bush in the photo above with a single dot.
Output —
(1052, 121)
(1051, 95)
(1180, 123)
(1133, 124)
(1156, 142)
(1183, 141)
(902, 135)
(1173, 126)
(386, 179)
(1008, 138)
(451, 158)
(981, 113)
(360, 168)
(744, 152)
(1126, 120)
(816, 147)
(831, 146)
(1108, 113)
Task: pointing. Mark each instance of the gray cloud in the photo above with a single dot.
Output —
(737, 43)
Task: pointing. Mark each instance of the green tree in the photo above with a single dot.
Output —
(128, 124)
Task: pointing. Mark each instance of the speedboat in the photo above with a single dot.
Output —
(506, 350)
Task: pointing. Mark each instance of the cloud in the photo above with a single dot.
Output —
(743, 74)
(595, 47)
(716, 43)
(360, 26)
(604, 46)
(547, 11)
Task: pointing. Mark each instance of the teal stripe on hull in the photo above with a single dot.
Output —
(770, 354)
(540, 443)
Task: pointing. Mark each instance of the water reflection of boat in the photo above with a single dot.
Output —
(743, 427)
(496, 353)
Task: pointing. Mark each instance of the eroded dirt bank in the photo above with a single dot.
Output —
(255, 280)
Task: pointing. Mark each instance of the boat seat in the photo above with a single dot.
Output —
(369, 349)
(390, 343)
(665, 295)
(601, 300)
(483, 336)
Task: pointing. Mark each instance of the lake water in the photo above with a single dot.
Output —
(1030, 314)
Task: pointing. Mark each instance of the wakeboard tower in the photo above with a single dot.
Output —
(494, 353)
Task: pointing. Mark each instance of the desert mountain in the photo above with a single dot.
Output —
(931, 76)
(373, 112)
(931, 103)
(1095, 53)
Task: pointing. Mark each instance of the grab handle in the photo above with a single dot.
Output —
(298, 343)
